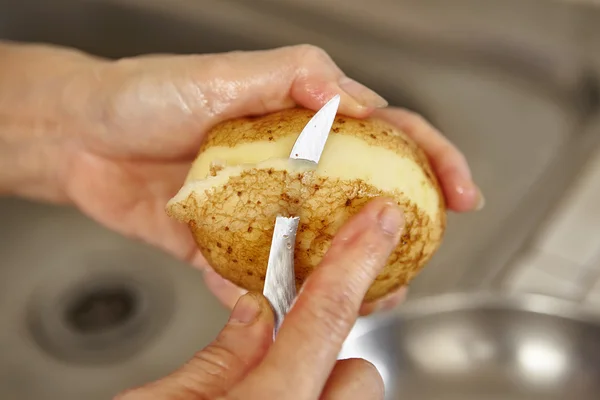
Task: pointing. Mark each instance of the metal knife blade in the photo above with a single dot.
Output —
(311, 142)
(280, 280)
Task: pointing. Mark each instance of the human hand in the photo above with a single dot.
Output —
(116, 138)
(244, 363)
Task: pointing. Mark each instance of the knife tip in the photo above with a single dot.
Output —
(335, 99)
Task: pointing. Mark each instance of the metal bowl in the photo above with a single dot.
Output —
(483, 347)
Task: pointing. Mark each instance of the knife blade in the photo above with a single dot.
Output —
(280, 280)
(311, 141)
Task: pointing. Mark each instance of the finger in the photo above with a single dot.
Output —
(327, 306)
(239, 347)
(386, 303)
(354, 378)
(450, 165)
(227, 293)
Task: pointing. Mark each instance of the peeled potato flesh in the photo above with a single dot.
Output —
(243, 178)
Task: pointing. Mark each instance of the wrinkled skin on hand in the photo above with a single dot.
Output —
(127, 131)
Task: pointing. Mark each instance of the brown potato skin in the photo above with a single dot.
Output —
(236, 239)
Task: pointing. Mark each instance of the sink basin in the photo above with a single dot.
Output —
(483, 347)
(512, 83)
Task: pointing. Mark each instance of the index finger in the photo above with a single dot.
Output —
(450, 165)
(327, 307)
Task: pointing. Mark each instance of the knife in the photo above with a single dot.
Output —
(280, 281)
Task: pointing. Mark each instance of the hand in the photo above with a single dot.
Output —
(116, 138)
(244, 363)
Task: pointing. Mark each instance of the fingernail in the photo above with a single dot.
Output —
(362, 94)
(391, 219)
(468, 194)
(480, 200)
(246, 310)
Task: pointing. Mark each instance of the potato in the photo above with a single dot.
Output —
(242, 179)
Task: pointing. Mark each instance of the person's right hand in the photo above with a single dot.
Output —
(244, 363)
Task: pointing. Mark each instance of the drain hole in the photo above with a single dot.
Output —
(101, 309)
(101, 316)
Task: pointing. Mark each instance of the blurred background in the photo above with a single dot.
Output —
(515, 84)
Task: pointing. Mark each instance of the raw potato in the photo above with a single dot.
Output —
(242, 179)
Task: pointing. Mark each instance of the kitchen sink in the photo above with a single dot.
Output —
(513, 83)
(479, 346)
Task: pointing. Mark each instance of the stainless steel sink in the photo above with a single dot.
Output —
(483, 347)
(514, 83)
(86, 313)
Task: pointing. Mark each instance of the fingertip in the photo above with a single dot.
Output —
(354, 378)
(449, 164)
(266, 310)
(246, 310)
(252, 307)
(462, 194)
(362, 96)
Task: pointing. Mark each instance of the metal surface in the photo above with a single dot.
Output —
(280, 281)
(483, 347)
(311, 141)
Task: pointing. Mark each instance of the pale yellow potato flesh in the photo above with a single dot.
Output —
(345, 158)
(234, 191)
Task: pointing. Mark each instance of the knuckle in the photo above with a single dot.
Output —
(308, 53)
(310, 50)
(216, 360)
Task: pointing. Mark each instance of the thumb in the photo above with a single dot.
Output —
(271, 80)
(189, 94)
(238, 348)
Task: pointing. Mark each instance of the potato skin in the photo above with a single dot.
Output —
(233, 228)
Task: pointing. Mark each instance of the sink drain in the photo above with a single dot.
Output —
(102, 310)
(100, 318)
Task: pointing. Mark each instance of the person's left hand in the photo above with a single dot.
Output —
(123, 133)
